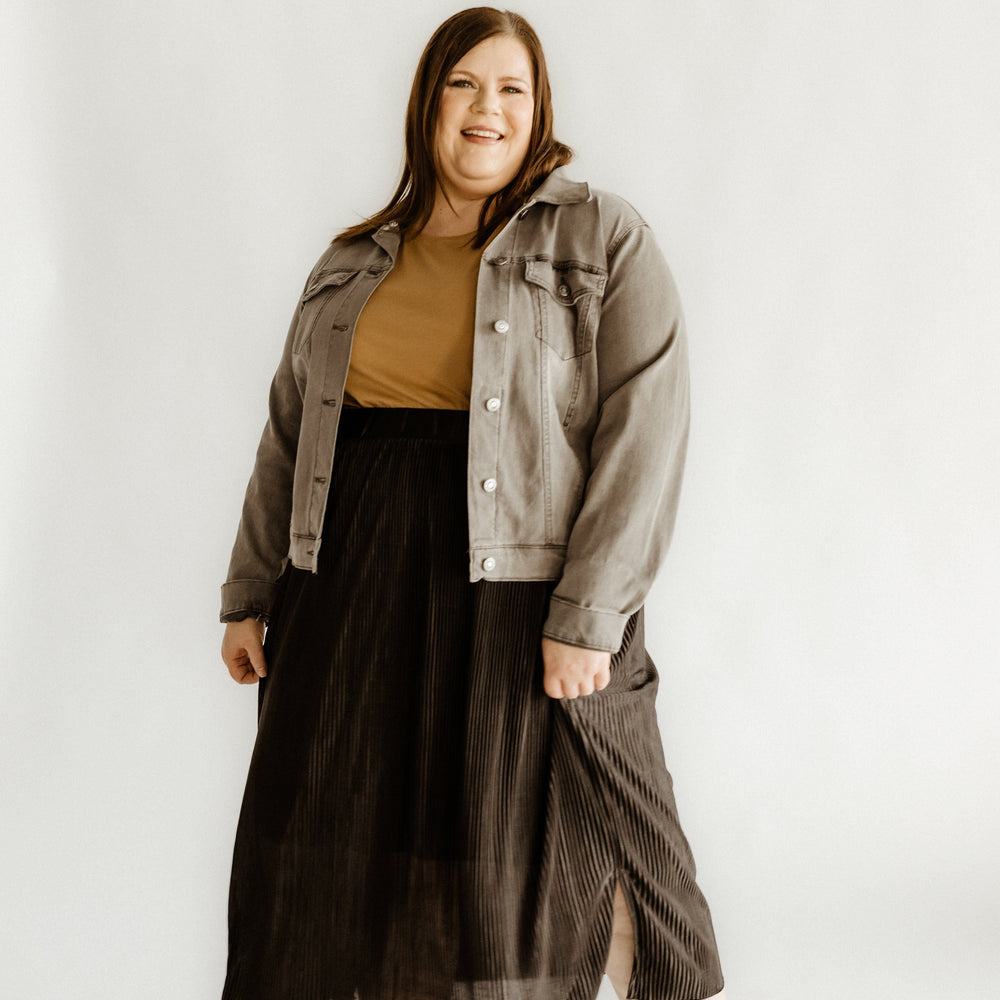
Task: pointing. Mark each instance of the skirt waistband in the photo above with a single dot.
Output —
(403, 422)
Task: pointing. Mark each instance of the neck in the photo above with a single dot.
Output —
(461, 216)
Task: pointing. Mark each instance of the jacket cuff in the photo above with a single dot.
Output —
(586, 627)
(254, 598)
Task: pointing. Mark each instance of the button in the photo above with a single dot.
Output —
(493, 404)
(392, 224)
(489, 563)
(564, 290)
(501, 260)
(523, 214)
(489, 485)
(501, 326)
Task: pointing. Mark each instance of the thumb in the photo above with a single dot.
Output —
(255, 653)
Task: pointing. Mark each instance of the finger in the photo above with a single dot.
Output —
(234, 666)
(552, 687)
(602, 680)
(238, 670)
(257, 661)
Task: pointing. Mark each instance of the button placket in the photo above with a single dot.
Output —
(490, 359)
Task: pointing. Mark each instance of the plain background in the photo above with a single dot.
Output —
(823, 179)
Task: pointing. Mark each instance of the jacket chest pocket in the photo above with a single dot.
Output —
(320, 298)
(567, 305)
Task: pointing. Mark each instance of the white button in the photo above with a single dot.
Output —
(392, 224)
(493, 404)
(501, 326)
(489, 563)
(489, 485)
(564, 290)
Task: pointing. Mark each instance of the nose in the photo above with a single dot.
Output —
(485, 102)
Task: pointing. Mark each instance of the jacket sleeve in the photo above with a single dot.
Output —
(637, 452)
(260, 552)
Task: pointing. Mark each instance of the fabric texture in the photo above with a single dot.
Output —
(578, 414)
(421, 821)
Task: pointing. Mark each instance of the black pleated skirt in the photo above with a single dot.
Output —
(421, 821)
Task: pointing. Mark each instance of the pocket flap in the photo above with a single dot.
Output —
(328, 279)
(566, 283)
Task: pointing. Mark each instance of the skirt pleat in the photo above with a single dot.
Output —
(421, 821)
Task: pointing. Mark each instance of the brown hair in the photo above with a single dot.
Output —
(413, 201)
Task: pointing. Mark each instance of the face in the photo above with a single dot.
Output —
(484, 120)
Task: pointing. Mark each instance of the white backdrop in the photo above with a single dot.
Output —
(823, 179)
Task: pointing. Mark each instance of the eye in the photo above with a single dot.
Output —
(511, 89)
(459, 83)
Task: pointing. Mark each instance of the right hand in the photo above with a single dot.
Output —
(243, 650)
(572, 671)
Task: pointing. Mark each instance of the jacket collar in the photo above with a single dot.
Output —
(558, 189)
(387, 237)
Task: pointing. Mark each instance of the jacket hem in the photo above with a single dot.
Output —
(516, 562)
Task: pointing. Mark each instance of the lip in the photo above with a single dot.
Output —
(494, 137)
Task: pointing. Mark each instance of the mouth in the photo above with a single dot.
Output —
(482, 133)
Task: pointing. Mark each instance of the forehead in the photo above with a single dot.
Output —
(502, 54)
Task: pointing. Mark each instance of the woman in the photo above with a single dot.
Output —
(465, 486)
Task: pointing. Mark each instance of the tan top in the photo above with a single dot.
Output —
(413, 339)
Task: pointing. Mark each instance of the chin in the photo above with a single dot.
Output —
(483, 187)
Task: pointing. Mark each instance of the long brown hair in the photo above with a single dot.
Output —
(410, 207)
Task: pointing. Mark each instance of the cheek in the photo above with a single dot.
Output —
(524, 129)
(445, 115)
(524, 120)
(444, 130)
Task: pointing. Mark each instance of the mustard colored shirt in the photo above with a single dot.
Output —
(413, 339)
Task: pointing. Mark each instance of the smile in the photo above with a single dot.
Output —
(482, 133)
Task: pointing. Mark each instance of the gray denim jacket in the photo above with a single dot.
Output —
(578, 418)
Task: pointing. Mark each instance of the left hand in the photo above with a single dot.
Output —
(571, 671)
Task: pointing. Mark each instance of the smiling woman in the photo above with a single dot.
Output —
(483, 129)
(465, 487)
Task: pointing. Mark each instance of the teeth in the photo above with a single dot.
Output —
(485, 133)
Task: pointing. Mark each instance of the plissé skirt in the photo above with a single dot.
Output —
(421, 821)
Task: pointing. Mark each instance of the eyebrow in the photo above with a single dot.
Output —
(503, 79)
